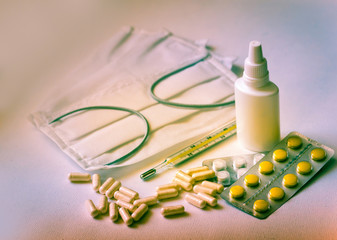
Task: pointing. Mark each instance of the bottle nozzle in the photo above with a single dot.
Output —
(255, 52)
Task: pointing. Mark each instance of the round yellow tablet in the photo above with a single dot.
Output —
(276, 193)
(280, 155)
(237, 191)
(251, 180)
(266, 167)
(317, 154)
(261, 206)
(294, 142)
(290, 180)
(304, 168)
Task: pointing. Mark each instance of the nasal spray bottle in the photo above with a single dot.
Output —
(257, 104)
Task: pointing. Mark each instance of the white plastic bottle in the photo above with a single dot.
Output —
(257, 104)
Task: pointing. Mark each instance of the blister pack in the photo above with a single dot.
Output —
(278, 176)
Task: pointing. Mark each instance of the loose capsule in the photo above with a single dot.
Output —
(121, 196)
(149, 201)
(106, 185)
(103, 204)
(79, 177)
(191, 171)
(185, 185)
(125, 216)
(199, 176)
(140, 211)
(96, 182)
(185, 177)
(169, 185)
(167, 193)
(91, 208)
(113, 188)
(218, 187)
(212, 201)
(195, 201)
(129, 192)
(200, 188)
(172, 210)
(126, 205)
(113, 211)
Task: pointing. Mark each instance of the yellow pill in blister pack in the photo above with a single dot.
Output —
(261, 206)
(290, 180)
(294, 142)
(266, 167)
(304, 168)
(276, 194)
(280, 155)
(237, 191)
(318, 154)
(251, 180)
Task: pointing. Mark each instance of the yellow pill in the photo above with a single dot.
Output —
(317, 154)
(251, 180)
(276, 194)
(261, 206)
(280, 155)
(266, 167)
(290, 180)
(237, 192)
(304, 168)
(294, 142)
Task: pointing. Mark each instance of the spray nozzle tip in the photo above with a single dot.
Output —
(255, 52)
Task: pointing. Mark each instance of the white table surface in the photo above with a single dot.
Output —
(40, 42)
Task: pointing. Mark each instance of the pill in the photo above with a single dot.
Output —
(276, 194)
(196, 169)
(126, 205)
(219, 164)
(280, 155)
(172, 210)
(289, 180)
(240, 172)
(185, 177)
(195, 201)
(294, 142)
(91, 208)
(239, 163)
(266, 167)
(149, 201)
(185, 185)
(113, 211)
(129, 192)
(304, 168)
(258, 157)
(121, 196)
(125, 216)
(261, 206)
(224, 177)
(237, 192)
(251, 180)
(140, 211)
(167, 193)
(318, 154)
(200, 188)
(96, 182)
(79, 177)
(103, 204)
(203, 175)
(169, 185)
(113, 188)
(106, 185)
(218, 187)
(212, 201)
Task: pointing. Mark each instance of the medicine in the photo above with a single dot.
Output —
(304, 168)
(149, 201)
(125, 216)
(290, 180)
(167, 193)
(113, 188)
(276, 194)
(261, 206)
(103, 204)
(219, 165)
(96, 182)
(185, 177)
(266, 167)
(169, 185)
(185, 185)
(294, 142)
(106, 185)
(172, 210)
(195, 201)
(200, 188)
(218, 187)
(258, 157)
(79, 177)
(224, 177)
(240, 172)
(239, 163)
(91, 208)
(129, 192)
(280, 155)
(237, 192)
(126, 205)
(113, 211)
(140, 211)
(251, 180)
(121, 196)
(196, 170)
(212, 201)
(318, 154)
(199, 176)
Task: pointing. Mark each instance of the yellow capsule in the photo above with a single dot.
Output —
(261, 206)
(280, 155)
(304, 168)
(294, 142)
(266, 167)
(276, 194)
(251, 180)
(290, 180)
(318, 154)
(237, 192)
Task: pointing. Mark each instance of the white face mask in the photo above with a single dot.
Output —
(120, 74)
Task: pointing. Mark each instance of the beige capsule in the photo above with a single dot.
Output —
(203, 175)
(218, 187)
(167, 193)
(113, 188)
(169, 185)
(113, 211)
(149, 201)
(103, 204)
(140, 211)
(96, 182)
(129, 192)
(106, 185)
(184, 185)
(125, 216)
(121, 196)
(199, 188)
(185, 177)
(91, 208)
(126, 205)
(172, 210)
(196, 169)
(212, 201)
(195, 201)
(79, 177)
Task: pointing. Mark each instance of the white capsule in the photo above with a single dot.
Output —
(199, 176)
(224, 178)
(199, 188)
(121, 196)
(167, 193)
(79, 177)
(172, 210)
(96, 182)
(169, 185)
(113, 188)
(126, 205)
(149, 201)
(184, 185)
(219, 164)
(140, 211)
(103, 204)
(218, 187)
(241, 172)
(185, 177)
(91, 208)
(195, 201)
(106, 185)
(113, 211)
(239, 163)
(125, 216)
(212, 201)
(191, 171)
(129, 192)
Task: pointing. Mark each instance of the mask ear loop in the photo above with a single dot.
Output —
(138, 114)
